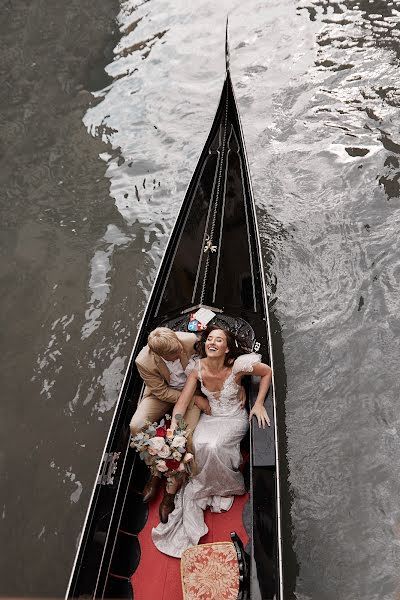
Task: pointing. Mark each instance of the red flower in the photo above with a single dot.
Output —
(161, 432)
(172, 464)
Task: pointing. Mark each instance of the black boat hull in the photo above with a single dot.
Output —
(213, 259)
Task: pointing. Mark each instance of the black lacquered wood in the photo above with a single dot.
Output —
(218, 212)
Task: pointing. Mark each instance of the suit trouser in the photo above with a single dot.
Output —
(152, 409)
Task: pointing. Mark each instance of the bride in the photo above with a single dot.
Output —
(222, 363)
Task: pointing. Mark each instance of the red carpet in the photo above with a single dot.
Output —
(158, 576)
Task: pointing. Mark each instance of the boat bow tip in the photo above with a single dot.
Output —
(227, 45)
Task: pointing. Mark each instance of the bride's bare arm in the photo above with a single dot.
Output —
(258, 410)
(185, 397)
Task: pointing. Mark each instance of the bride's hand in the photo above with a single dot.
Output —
(261, 414)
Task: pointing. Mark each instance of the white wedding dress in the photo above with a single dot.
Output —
(216, 443)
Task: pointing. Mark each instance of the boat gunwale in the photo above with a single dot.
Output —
(266, 310)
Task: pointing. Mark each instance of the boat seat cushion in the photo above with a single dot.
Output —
(237, 325)
(210, 572)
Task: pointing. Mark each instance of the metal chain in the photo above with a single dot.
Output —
(214, 219)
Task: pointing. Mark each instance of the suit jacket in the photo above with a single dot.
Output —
(154, 371)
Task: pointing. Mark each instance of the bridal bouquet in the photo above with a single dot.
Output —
(164, 450)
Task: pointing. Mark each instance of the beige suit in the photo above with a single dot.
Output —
(158, 398)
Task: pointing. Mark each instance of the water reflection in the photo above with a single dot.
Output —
(352, 36)
(87, 216)
(99, 282)
(340, 265)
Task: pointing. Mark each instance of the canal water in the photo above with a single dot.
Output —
(105, 108)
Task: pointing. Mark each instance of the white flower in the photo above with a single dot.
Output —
(164, 452)
(178, 441)
(161, 466)
(188, 457)
(176, 455)
(156, 442)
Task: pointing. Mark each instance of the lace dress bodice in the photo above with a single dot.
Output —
(226, 402)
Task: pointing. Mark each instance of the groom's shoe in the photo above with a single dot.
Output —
(151, 488)
(166, 507)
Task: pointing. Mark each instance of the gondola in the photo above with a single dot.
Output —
(212, 260)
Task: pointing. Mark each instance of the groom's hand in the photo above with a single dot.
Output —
(242, 396)
(203, 404)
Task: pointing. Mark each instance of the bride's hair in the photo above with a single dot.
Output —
(236, 344)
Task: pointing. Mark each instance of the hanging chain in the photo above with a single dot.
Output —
(209, 237)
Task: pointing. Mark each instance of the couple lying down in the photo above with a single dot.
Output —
(219, 365)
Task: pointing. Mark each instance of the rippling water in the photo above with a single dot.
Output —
(94, 169)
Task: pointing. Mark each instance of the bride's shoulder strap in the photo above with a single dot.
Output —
(244, 363)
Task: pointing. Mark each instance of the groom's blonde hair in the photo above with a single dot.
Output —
(163, 341)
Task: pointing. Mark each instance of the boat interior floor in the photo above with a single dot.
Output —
(158, 575)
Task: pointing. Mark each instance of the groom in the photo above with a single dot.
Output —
(161, 365)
